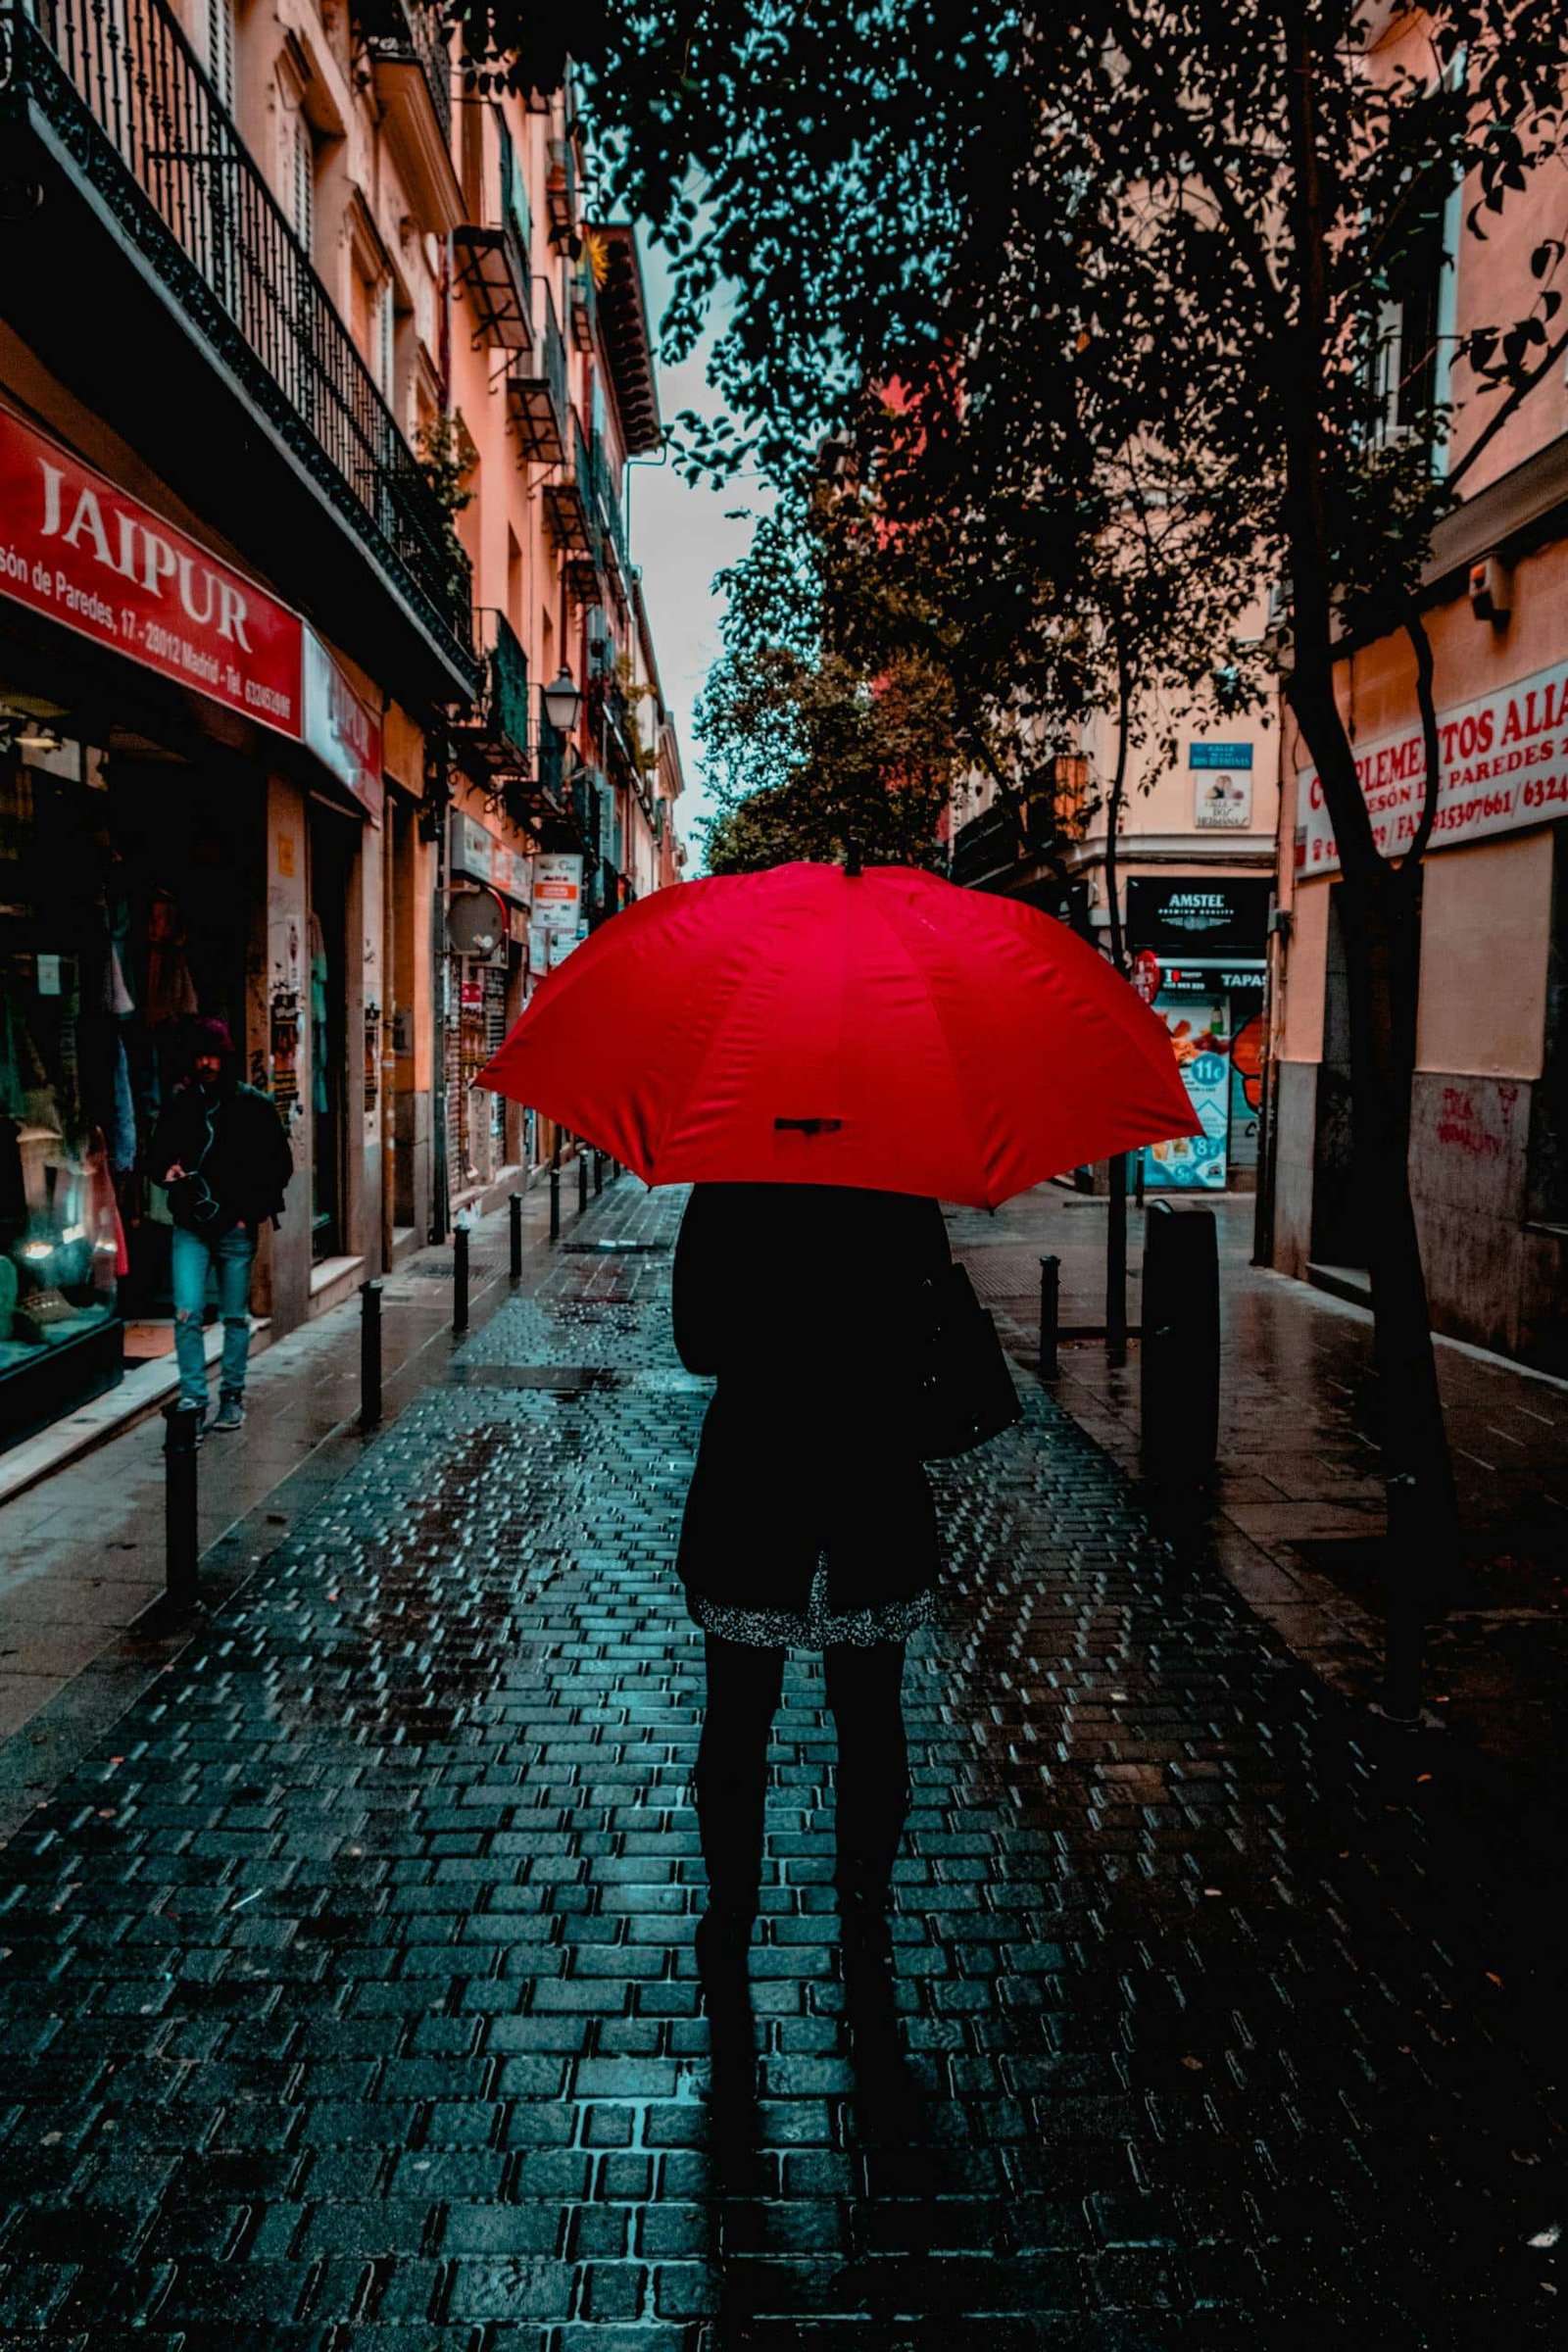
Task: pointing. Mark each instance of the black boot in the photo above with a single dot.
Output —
(869, 1827)
(729, 1825)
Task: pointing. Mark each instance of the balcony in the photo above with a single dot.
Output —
(491, 739)
(607, 498)
(585, 807)
(570, 516)
(536, 394)
(985, 848)
(492, 263)
(560, 192)
(409, 47)
(583, 304)
(153, 207)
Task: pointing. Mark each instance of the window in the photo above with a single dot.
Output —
(385, 359)
(221, 44)
(302, 183)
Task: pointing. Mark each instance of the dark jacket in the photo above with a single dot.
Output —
(234, 1139)
(794, 1295)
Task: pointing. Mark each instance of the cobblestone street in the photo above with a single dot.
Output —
(347, 1995)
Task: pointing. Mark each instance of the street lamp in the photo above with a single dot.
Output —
(563, 703)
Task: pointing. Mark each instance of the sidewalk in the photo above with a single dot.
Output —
(346, 1990)
(1298, 1517)
(81, 1553)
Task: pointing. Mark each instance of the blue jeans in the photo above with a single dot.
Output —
(230, 1256)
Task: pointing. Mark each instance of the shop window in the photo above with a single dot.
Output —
(121, 915)
(1548, 1187)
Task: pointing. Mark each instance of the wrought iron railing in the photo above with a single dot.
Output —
(554, 355)
(586, 806)
(607, 494)
(552, 761)
(408, 32)
(125, 91)
(987, 845)
(501, 715)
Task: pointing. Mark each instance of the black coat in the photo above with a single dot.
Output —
(794, 1295)
(236, 1139)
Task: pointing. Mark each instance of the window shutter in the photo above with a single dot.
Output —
(385, 369)
(303, 186)
(220, 49)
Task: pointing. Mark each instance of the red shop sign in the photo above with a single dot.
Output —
(97, 561)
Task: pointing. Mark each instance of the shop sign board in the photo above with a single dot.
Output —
(342, 729)
(558, 891)
(1222, 803)
(98, 562)
(1196, 913)
(479, 855)
(1504, 764)
(1199, 1034)
(1145, 974)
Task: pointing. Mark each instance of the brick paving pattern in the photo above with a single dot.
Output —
(347, 1995)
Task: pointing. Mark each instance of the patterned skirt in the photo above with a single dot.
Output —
(816, 1626)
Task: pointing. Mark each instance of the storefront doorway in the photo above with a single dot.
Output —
(333, 840)
(1336, 1215)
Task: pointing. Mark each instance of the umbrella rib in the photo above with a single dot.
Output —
(954, 1064)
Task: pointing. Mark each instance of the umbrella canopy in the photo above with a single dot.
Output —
(808, 1025)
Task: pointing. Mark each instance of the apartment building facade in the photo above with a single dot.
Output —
(1489, 1148)
(285, 566)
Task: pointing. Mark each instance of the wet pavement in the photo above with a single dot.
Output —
(346, 1986)
(1296, 1517)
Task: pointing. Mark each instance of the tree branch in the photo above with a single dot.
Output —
(1510, 407)
(1415, 628)
(1164, 86)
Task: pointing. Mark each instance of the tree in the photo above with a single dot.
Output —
(808, 748)
(1199, 222)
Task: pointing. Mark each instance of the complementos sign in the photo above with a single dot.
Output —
(1504, 764)
(97, 561)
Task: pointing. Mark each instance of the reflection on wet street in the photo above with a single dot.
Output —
(347, 1993)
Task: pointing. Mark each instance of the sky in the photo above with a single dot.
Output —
(680, 538)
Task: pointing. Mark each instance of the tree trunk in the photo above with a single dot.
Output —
(1380, 927)
(1116, 1206)
(1381, 911)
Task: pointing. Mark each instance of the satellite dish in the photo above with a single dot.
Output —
(476, 924)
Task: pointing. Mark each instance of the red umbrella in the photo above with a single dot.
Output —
(807, 1025)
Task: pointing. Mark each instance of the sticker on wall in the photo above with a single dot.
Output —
(285, 853)
(373, 1055)
(283, 1028)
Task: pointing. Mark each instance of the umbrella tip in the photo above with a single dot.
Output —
(852, 857)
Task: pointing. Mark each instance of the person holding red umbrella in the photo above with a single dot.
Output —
(826, 1055)
(810, 1521)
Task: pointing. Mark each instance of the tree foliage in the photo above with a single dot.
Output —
(808, 745)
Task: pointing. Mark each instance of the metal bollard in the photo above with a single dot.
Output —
(1116, 1264)
(182, 1540)
(582, 1180)
(1050, 1315)
(1179, 1366)
(554, 1205)
(515, 1211)
(599, 1173)
(370, 1354)
(459, 1280)
(1140, 1171)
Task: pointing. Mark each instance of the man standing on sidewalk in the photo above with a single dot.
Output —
(223, 1153)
